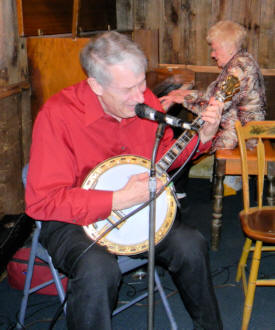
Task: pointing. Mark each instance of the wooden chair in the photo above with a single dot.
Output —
(228, 162)
(258, 222)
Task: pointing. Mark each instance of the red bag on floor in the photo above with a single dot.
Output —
(17, 270)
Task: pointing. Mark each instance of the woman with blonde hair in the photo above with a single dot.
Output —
(227, 40)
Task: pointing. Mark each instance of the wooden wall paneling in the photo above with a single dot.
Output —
(20, 20)
(183, 37)
(215, 14)
(153, 14)
(222, 9)
(267, 35)
(54, 64)
(95, 15)
(148, 42)
(140, 12)
(13, 59)
(239, 10)
(11, 162)
(52, 17)
(171, 43)
(147, 14)
(76, 7)
(45, 17)
(251, 21)
(125, 14)
(13, 85)
(26, 120)
(201, 10)
(183, 26)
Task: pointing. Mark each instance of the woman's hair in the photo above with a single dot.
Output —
(108, 49)
(227, 32)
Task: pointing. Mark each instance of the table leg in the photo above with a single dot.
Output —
(218, 191)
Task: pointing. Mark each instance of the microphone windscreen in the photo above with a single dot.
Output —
(140, 110)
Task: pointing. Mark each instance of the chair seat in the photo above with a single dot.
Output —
(259, 224)
(233, 159)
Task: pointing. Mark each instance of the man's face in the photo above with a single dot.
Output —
(124, 92)
(220, 53)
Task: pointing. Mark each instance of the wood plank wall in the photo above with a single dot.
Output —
(15, 116)
(183, 26)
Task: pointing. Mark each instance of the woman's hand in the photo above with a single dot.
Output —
(176, 96)
(212, 117)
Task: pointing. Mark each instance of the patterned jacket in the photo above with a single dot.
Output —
(246, 105)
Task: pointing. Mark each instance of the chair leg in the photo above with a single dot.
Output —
(57, 282)
(24, 302)
(242, 263)
(249, 299)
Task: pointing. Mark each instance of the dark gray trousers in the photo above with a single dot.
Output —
(95, 279)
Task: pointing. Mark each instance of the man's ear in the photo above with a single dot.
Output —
(95, 86)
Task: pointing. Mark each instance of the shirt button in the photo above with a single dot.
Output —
(122, 148)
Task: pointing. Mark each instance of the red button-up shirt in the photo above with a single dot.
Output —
(71, 136)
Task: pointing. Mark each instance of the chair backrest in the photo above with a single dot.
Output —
(254, 130)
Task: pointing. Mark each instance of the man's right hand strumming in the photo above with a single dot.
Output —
(136, 191)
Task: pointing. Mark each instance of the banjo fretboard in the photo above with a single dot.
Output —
(172, 154)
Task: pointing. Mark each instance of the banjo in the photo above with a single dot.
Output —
(130, 237)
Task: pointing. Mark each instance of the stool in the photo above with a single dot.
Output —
(228, 162)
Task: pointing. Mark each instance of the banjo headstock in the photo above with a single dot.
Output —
(228, 88)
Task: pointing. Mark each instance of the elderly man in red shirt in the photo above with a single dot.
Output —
(76, 130)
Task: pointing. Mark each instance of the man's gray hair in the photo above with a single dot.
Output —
(108, 49)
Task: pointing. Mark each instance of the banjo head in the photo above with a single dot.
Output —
(131, 236)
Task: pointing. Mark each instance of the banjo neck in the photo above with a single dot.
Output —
(172, 154)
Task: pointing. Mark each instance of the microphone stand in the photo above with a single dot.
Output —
(152, 215)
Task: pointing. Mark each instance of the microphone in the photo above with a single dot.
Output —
(144, 111)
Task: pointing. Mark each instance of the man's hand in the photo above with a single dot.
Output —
(136, 191)
(212, 117)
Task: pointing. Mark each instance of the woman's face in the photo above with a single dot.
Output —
(221, 53)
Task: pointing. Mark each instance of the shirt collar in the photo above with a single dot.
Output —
(92, 107)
